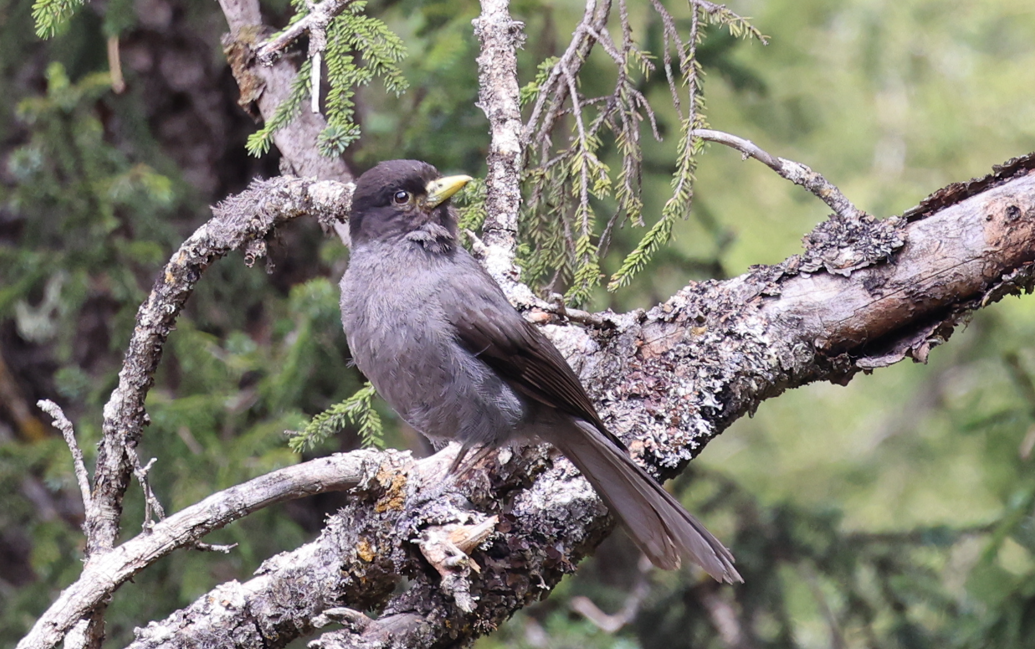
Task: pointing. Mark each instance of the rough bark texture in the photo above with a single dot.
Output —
(243, 222)
(265, 86)
(864, 294)
(500, 37)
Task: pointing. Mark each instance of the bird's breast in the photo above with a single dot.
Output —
(403, 341)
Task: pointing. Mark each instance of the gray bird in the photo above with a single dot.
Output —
(438, 339)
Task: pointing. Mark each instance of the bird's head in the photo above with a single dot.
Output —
(405, 199)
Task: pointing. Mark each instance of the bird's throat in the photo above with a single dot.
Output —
(432, 237)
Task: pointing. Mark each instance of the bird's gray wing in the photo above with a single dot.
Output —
(491, 329)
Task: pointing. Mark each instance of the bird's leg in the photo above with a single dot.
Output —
(459, 467)
(459, 459)
(436, 488)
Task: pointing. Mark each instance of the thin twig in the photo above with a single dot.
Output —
(594, 18)
(118, 81)
(65, 426)
(724, 619)
(585, 607)
(314, 22)
(210, 547)
(605, 42)
(151, 504)
(795, 172)
(670, 35)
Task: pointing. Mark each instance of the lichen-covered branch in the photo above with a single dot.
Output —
(500, 37)
(865, 293)
(100, 578)
(795, 172)
(241, 222)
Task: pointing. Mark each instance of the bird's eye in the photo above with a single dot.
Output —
(400, 197)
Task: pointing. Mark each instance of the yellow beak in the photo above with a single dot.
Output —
(440, 190)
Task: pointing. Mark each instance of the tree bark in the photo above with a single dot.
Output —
(864, 294)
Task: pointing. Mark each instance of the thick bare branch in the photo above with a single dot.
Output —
(865, 293)
(242, 221)
(100, 578)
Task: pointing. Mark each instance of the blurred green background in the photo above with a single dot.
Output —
(894, 512)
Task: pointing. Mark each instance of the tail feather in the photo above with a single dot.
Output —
(655, 520)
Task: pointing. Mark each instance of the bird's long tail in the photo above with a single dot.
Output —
(654, 519)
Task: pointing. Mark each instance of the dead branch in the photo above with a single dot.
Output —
(101, 577)
(65, 426)
(795, 172)
(247, 218)
(264, 87)
(865, 293)
(319, 16)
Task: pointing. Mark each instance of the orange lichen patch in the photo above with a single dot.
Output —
(394, 496)
(365, 551)
(539, 317)
(170, 278)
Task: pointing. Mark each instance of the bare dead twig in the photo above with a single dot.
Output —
(209, 547)
(118, 81)
(539, 125)
(613, 623)
(725, 619)
(314, 22)
(795, 172)
(152, 507)
(65, 426)
(670, 36)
